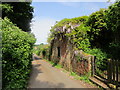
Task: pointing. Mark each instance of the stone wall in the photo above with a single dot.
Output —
(65, 50)
(71, 60)
(62, 52)
(81, 63)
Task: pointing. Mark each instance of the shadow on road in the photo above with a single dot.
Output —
(36, 72)
(37, 65)
(35, 83)
(41, 84)
(35, 57)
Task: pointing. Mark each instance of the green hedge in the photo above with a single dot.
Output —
(16, 55)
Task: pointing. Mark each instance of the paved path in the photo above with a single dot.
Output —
(45, 76)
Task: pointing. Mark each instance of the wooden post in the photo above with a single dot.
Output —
(113, 67)
(89, 63)
(109, 70)
(117, 61)
(93, 64)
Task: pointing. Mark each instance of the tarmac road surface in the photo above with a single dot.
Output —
(43, 75)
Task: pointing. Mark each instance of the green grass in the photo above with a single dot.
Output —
(50, 62)
(65, 71)
(83, 77)
(57, 66)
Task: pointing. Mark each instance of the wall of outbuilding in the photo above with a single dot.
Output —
(70, 59)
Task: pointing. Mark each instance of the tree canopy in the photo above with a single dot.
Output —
(20, 13)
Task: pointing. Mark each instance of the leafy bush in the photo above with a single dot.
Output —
(17, 55)
(79, 36)
(101, 57)
(113, 24)
(98, 33)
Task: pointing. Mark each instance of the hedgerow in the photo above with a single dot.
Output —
(16, 55)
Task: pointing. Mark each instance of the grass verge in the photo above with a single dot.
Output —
(57, 66)
(84, 78)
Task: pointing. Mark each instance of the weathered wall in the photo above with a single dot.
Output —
(81, 63)
(65, 50)
(70, 59)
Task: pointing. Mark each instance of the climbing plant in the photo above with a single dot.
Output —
(66, 23)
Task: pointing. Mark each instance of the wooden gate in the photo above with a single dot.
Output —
(111, 74)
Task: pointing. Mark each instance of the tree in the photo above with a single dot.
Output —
(113, 24)
(20, 13)
(113, 20)
(98, 34)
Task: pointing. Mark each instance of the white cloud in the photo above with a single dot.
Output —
(41, 28)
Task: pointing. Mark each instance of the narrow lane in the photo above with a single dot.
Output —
(45, 76)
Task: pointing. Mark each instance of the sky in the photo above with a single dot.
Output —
(47, 13)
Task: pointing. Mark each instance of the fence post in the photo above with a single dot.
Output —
(109, 70)
(117, 61)
(113, 67)
(93, 65)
